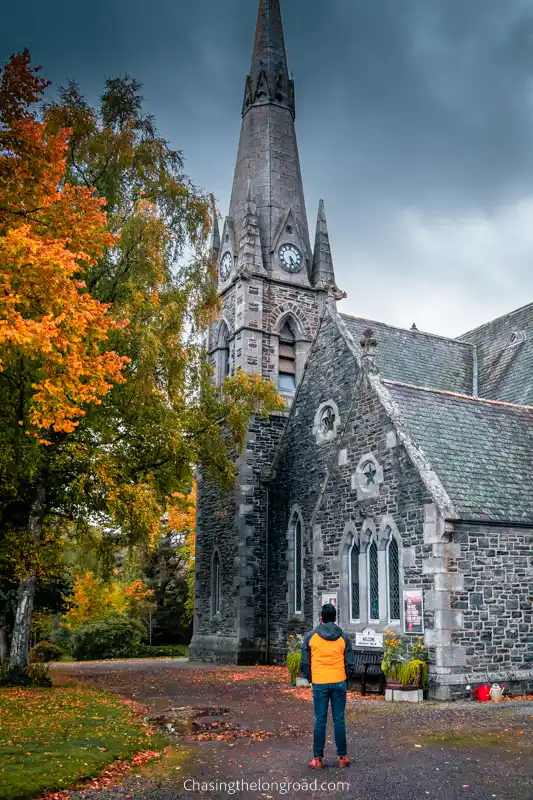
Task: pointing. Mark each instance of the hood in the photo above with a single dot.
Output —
(329, 631)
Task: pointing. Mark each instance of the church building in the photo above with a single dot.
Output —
(398, 482)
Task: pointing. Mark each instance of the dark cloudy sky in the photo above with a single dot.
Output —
(414, 118)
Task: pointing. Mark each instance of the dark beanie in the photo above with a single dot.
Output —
(329, 612)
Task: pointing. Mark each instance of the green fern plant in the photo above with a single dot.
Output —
(293, 665)
(409, 672)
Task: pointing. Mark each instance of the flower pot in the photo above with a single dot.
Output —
(392, 684)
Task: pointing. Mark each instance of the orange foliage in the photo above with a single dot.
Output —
(182, 511)
(92, 599)
(48, 235)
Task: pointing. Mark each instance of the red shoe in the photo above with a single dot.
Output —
(344, 761)
(316, 763)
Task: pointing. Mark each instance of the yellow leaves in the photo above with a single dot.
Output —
(92, 598)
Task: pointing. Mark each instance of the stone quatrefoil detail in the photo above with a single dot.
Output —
(327, 421)
(368, 477)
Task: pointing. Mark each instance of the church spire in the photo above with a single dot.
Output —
(268, 81)
(268, 157)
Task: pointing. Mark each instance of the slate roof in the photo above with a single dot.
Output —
(480, 449)
(418, 358)
(505, 366)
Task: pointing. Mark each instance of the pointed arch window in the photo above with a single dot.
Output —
(353, 571)
(223, 366)
(393, 575)
(373, 580)
(295, 563)
(287, 358)
(216, 593)
(298, 582)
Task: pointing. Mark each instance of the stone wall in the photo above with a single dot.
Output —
(234, 526)
(495, 607)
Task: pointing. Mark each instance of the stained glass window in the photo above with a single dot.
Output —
(373, 581)
(354, 580)
(394, 580)
(297, 565)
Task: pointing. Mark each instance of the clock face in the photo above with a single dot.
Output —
(290, 257)
(225, 266)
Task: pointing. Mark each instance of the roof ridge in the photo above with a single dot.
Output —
(496, 319)
(409, 330)
(504, 403)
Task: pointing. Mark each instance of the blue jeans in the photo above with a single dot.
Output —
(322, 694)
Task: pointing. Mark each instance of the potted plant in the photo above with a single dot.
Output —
(404, 663)
(294, 656)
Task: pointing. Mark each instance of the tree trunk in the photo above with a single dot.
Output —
(3, 640)
(20, 640)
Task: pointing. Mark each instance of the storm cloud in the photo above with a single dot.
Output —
(414, 119)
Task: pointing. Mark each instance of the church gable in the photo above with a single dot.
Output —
(308, 446)
(369, 541)
(504, 348)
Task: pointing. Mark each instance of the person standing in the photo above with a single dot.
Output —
(327, 661)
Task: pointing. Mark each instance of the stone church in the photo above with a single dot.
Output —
(400, 476)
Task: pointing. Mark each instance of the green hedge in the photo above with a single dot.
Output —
(113, 637)
(163, 651)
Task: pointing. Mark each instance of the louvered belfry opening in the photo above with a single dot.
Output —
(287, 359)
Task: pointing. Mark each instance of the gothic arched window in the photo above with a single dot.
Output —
(216, 593)
(287, 359)
(393, 574)
(222, 357)
(373, 581)
(295, 574)
(353, 569)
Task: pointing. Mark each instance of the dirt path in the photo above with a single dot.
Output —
(239, 724)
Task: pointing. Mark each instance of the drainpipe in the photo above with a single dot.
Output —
(267, 524)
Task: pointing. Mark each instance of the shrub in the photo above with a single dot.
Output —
(45, 652)
(410, 672)
(162, 651)
(293, 665)
(32, 675)
(114, 637)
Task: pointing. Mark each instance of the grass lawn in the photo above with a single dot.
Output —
(49, 738)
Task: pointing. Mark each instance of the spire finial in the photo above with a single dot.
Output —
(323, 273)
(269, 80)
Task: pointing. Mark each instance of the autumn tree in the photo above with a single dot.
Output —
(55, 354)
(104, 443)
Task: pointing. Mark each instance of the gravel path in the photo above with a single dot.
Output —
(399, 751)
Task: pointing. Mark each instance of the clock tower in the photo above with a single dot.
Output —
(272, 284)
